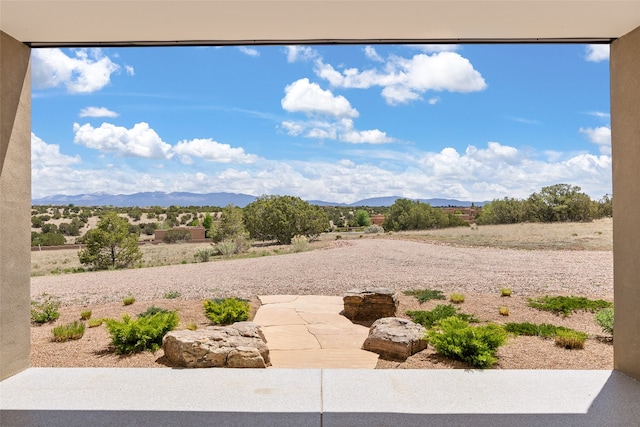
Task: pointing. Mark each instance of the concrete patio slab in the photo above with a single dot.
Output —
(290, 337)
(340, 358)
(276, 316)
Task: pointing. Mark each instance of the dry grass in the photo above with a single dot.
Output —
(589, 236)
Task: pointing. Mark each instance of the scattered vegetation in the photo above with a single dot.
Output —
(230, 232)
(505, 292)
(226, 248)
(171, 295)
(570, 339)
(70, 331)
(456, 298)
(567, 305)
(424, 295)
(45, 310)
(153, 310)
(225, 311)
(177, 235)
(128, 300)
(142, 334)
(374, 229)
(604, 318)
(440, 312)
(476, 345)
(85, 314)
(204, 255)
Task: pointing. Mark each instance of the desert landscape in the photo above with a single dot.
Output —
(568, 259)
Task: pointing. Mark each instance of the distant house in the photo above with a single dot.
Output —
(197, 233)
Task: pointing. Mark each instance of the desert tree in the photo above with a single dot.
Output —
(110, 244)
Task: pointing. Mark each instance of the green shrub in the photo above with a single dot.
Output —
(441, 311)
(203, 255)
(70, 331)
(504, 311)
(85, 314)
(176, 235)
(226, 248)
(93, 323)
(604, 318)
(172, 294)
(299, 244)
(543, 330)
(45, 310)
(338, 236)
(505, 292)
(374, 229)
(456, 298)
(152, 310)
(570, 339)
(453, 337)
(227, 310)
(425, 294)
(144, 333)
(128, 300)
(192, 326)
(567, 305)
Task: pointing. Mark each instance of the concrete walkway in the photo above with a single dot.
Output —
(305, 331)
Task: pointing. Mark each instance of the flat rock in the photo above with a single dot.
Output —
(241, 345)
(369, 304)
(395, 338)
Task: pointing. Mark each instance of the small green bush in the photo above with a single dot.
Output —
(70, 331)
(204, 255)
(505, 292)
(227, 310)
(456, 298)
(45, 310)
(128, 300)
(85, 314)
(152, 310)
(543, 330)
(571, 339)
(504, 311)
(142, 334)
(226, 248)
(172, 294)
(441, 311)
(93, 323)
(604, 318)
(453, 337)
(374, 229)
(424, 295)
(299, 244)
(192, 326)
(567, 305)
(176, 235)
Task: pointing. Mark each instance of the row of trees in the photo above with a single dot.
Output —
(556, 203)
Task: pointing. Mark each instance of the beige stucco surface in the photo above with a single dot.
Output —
(625, 130)
(15, 205)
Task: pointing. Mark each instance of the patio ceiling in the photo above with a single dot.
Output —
(170, 22)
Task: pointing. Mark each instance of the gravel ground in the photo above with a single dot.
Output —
(479, 273)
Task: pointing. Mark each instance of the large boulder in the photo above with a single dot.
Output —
(369, 304)
(240, 345)
(395, 338)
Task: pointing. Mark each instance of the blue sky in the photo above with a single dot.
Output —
(336, 123)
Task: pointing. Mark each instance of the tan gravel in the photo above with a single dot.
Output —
(479, 273)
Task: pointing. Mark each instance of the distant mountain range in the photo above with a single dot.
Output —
(158, 198)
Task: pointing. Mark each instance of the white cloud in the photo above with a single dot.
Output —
(405, 80)
(601, 136)
(300, 53)
(434, 100)
(139, 141)
(597, 52)
(45, 155)
(600, 114)
(305, 97)
(97, 112)
(371, 53)
(249, 51)
(212, 151)
(89, 70)
(432, 48)
(129, 69)
(373, 136)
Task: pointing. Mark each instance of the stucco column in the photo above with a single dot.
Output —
(625, 135)
(15, 205)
